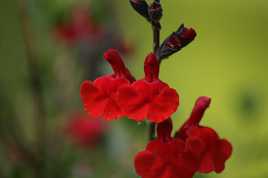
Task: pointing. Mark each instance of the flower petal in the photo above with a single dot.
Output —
(132, 103)
(94, 101)
(143, 163)
(164, 105)
(223, 152)
(112, 111)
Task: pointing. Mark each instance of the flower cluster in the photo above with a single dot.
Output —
(118, 94)
(194, 148)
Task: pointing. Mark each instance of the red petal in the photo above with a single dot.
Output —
(112, 110)
(178, 147)
(132, 102)
(105, 104)
(94, 102)
(223, 152)
(98, 107)
(156, 147)
(226, 148)
(195, 145)
(206, 164)
(208, 135)
(143, 163)
(87, 90)
(164, 105)
(108, 84)
(167, 173)
(216, 151)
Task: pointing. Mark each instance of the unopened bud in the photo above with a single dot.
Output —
(141, 7)
(176, 41)
(155, 11)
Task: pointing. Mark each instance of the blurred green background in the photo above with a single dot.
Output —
(227, 61)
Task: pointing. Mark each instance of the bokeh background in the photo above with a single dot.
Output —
(227, 61)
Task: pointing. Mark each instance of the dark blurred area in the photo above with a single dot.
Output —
(47, 48)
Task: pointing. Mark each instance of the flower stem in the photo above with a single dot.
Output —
(156, 36)
(156, 26)
(35, 85)
(151, 131)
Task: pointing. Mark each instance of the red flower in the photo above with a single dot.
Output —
(81, 26)
(165, 157)
(84, 130)
(99, 96)
(204, 142)
(194, 148)
(150, 97)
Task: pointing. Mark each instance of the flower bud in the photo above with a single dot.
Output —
(176, 41)
(141, 7)
(155, 11)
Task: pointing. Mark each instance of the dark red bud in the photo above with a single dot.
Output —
(176, 41)
(141, 7)
(155, 12)
(186, 35)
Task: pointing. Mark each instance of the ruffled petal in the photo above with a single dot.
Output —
(222, 153)
(163, 105)
(108, 84)
(99, 98)
(132, 102)
(215, 151)
(93, 99)
(206, 164)
(143, 162)
(112, 111)
(195, 146)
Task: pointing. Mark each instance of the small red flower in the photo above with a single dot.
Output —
(150, 97)
(204, 142)
(99, 96)
(85, 131)
(165, 157)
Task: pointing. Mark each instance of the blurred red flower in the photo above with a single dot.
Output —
(81, 26)
(85, 131)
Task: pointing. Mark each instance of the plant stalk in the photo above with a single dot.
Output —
(35, 87)
(156, 42)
